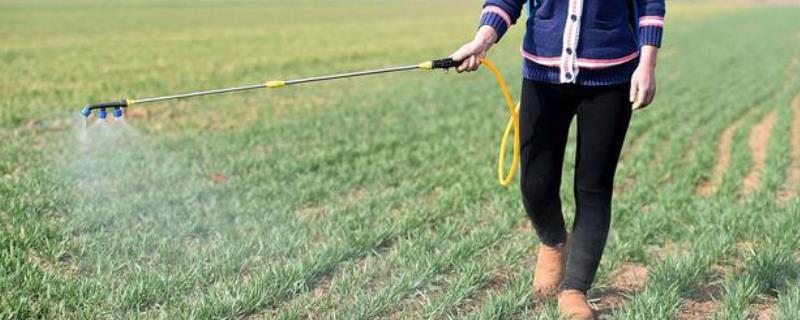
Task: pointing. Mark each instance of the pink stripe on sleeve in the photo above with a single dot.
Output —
(657, 21)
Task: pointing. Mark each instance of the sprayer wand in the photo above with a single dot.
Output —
(118, 105)
(447, 63)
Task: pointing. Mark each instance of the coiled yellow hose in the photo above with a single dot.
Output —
(513, 123)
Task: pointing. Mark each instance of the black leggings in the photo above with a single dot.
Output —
(545, 117)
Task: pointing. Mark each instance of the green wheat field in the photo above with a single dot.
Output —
(374, 197)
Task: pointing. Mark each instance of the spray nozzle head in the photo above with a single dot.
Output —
(117, 112)
(102, 113)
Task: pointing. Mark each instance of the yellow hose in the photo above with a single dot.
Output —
(513, 123)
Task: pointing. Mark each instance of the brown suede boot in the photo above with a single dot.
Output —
(573, 305)
(550, 267)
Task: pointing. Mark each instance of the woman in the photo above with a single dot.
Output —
(590, 58)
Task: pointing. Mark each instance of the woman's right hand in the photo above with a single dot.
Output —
(470, 53)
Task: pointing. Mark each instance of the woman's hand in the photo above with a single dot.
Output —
(643, 82)
(470, 53)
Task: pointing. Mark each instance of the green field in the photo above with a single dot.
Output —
(373, 197)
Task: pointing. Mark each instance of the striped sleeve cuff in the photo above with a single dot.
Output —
(650, 36)
(651, 30)
(496, 18)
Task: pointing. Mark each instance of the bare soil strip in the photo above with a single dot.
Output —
(759, 145)
(725, 155)
(629, 279)
(703, 302)
(63, 267)
(762, 309)
(793, 172)
(697, 135)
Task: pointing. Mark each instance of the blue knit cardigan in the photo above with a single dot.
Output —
(586, 42)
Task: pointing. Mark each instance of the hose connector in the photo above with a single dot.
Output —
(102, 114)
(445, 63)
(86, 112)
(427, 65)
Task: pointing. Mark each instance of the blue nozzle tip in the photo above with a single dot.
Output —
(117, 112)
(86, 112)
(102, 114)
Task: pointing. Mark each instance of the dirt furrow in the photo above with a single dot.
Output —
(702, 303)
(793, 172)
(626, 281)
(759, 145)
(762, 310)
(724, 157)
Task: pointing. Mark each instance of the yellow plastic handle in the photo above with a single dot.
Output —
(513, 123)
(275, 84)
